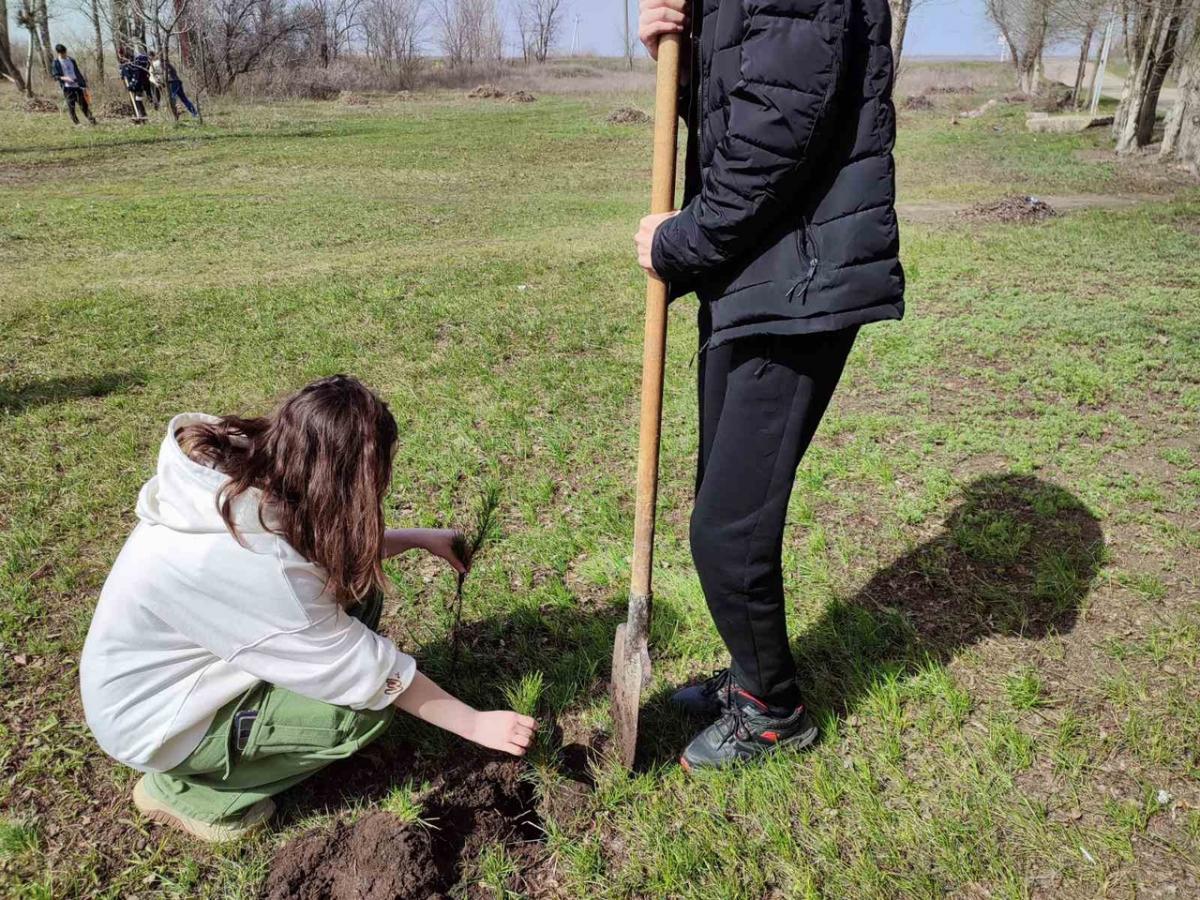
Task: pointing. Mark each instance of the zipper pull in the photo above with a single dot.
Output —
(803, 283)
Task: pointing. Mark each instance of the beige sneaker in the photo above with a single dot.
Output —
(157, 811)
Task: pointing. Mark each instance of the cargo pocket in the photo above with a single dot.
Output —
(288, 723)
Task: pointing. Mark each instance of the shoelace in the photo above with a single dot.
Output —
(736, 716)
(716, 681)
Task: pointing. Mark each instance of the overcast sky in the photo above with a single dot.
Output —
(937, 27)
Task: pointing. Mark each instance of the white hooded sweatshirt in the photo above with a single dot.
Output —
(190, 619)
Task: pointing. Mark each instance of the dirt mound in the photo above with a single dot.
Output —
(470, 805)
(522, 97)
(115, 108)
(1016, 98)
(350, 98)
(1010, 209)
(627, 115)
(486, 92)
(952, 89)
(917, 102)
(40, 105)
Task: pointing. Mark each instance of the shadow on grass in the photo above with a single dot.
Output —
(28, 395)
(1017, 557)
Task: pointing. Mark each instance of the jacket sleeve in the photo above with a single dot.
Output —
(338, 660)
(779, 113)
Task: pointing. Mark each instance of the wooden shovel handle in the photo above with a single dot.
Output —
(662, 199)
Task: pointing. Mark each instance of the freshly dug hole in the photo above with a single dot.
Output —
(472, 803)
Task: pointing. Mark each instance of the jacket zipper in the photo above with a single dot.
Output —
(807, 248)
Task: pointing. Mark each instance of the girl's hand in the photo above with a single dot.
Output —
(502, 730)
(448, 544)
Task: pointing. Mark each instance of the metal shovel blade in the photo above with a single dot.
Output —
(630, 676)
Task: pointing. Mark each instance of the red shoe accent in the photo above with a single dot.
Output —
(753, 700)
(770, 736)
(684, 763)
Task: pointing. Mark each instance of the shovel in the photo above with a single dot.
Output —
(631, 654)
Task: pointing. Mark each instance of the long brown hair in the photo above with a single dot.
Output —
(322, 460)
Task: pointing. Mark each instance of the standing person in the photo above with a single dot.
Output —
(233, 652)
(74, 86)
(135, 72)
(788, 236)
(174, 83)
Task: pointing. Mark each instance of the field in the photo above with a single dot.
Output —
(994, 543)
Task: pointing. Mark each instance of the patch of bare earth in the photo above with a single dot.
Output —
(472, 804)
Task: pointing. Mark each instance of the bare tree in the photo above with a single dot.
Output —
(539, 22)
(901, 10)
(335, 21)
(27, 19)
(393, 31)
(469, 31)
(1027, 27)
(233, 37)
(1153, 35)
(629, 38)
(8, 67)
(1181, 137)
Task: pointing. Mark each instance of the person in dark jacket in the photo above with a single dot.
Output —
(788, 236)
(135, 72)
(74, 86)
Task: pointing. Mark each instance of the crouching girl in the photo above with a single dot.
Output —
(233, 652)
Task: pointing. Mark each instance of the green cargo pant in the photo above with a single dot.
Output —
(264, 742)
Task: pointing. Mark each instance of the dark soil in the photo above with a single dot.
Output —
(1010, 209)
(471, 804)
(918, 101)
(115, 109)
(40, 105)
(627, 115)
(522, 97)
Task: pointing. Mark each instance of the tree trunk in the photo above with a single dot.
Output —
(1181, 140)
(33, 51)
(8, 68)
(1164, 59)
(95, 14)
(900, 11)
(120, 29)
(43, 24)
(1085, 49)
(1146, 39)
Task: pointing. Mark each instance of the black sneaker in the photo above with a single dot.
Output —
(746, 730)
(707, 699)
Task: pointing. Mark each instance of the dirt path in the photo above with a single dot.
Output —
(932, 212)
(1063, 71)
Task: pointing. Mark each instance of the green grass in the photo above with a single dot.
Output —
(992, 551)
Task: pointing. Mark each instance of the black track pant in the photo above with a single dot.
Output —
(77, 96)
(761, 400)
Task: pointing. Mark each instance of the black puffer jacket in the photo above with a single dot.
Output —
(789, 223)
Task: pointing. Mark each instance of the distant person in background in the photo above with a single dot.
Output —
(74, 86)
(135, 73)
(173, 82)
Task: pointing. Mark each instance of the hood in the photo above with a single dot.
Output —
(183, 494)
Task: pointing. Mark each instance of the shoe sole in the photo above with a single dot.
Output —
(801, 741)
(157, 811)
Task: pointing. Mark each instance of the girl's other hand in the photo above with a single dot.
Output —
(449, 545)
(503, 730)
